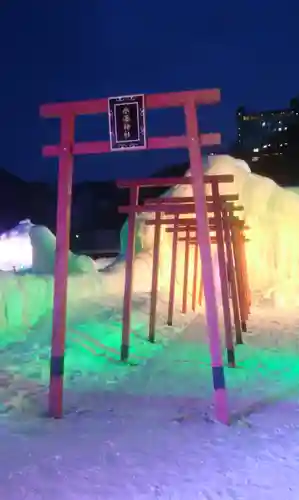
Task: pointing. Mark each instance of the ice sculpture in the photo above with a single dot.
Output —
(16, 248)
(30, 247)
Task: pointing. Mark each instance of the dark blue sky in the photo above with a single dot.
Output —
(55, 50)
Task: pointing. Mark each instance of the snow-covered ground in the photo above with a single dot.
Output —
(145, 430)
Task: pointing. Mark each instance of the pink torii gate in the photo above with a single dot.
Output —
(65, 152)
(179, 207)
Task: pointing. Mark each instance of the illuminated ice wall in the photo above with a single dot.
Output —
(272, 252)
(271, 212)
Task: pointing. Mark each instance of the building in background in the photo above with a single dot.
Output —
(269, 141)
(259, 132)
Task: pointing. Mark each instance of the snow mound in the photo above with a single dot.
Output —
(43, 254)
(273, 250)
(25, 298)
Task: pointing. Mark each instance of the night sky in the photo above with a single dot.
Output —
(57, 50)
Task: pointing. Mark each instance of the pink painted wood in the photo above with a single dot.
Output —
(244, 264)
(195, 278)
(220, 393)
(169, 199)
(65, 175)
(186, 272)
(100, 147)
(167, 208)
(155, 278)
(190, 199)
(223, 276)
(180, 224)
(173, 272)
(129, 276)
(232, 277)
(174, 181)
(240, 274)
(200, 291)
(152, 101)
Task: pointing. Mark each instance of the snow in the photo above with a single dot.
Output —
(43, 244)
(104, 262)
(145, 429)
(272, 252)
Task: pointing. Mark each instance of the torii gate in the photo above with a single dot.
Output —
(127, 126)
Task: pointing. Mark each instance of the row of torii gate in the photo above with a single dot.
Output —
(199, 220)
(177, 216)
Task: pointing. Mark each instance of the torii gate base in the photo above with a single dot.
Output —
(65, 152)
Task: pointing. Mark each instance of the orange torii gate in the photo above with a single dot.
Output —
(188, 225)
(127, 132)
(233, 277)
(176, 207)
(238, 228)
(227, 273)
(235, 256)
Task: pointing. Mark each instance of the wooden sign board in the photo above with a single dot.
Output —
(127, 127)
